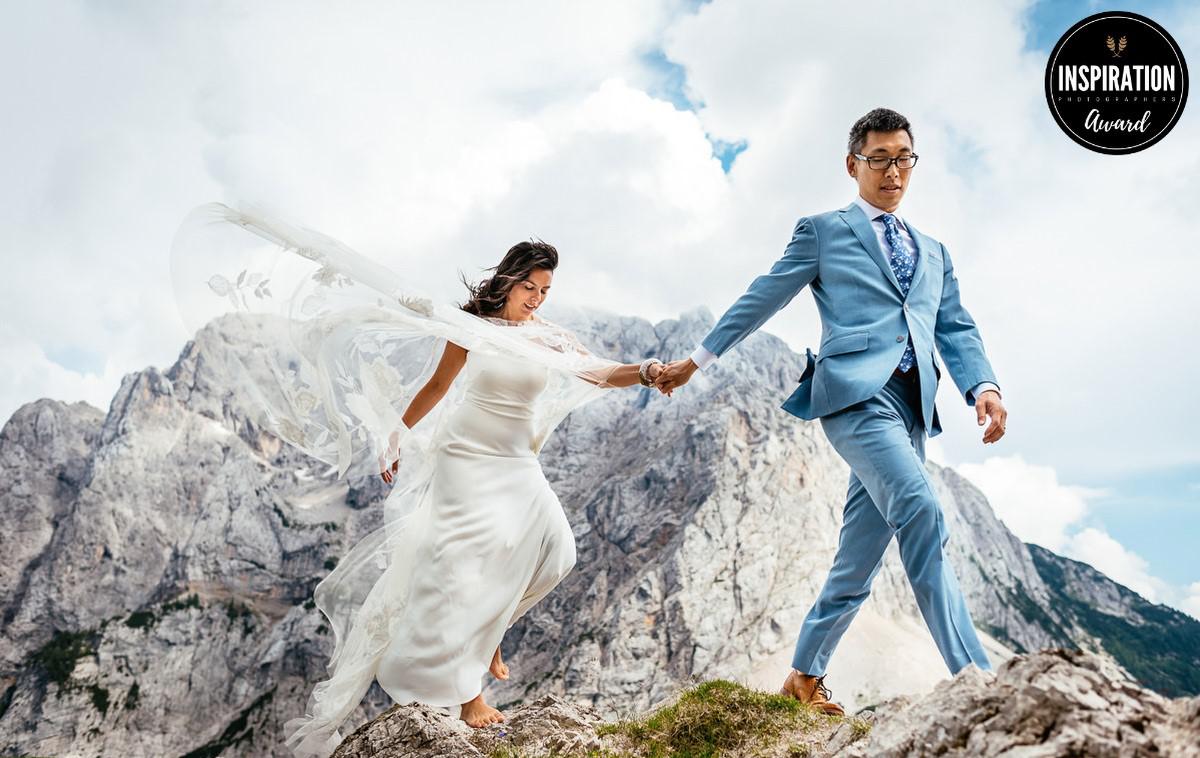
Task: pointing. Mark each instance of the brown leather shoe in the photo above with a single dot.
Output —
(811, 690)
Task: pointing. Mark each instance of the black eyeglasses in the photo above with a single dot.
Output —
(879, 162)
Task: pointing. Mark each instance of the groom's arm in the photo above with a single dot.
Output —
(958, 339)
(762, 299)
(796, 269)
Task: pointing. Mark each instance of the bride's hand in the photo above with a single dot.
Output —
(654, 372)
(387, 471)
(391, 453)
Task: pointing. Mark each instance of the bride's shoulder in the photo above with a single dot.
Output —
(549, 326)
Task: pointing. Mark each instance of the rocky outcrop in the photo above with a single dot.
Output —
(1054, 703)
(548, 725)
(46, 457)
(161, 556)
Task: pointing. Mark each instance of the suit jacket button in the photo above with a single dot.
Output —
(899, 337)
(906, 307)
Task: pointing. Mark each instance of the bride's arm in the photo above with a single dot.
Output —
(453, 358)
(625, 375)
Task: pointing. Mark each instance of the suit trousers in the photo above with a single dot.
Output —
(883, 440)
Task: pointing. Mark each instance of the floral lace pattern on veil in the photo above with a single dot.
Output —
(329, 366)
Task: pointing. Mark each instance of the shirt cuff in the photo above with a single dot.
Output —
(980, 388)
(702, 357)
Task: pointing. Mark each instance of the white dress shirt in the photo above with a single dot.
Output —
(703, 357)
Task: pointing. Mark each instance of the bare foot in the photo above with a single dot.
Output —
(498, 668)
(478, 713)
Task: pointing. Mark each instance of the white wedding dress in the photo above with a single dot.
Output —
(486, 540)
(472, 536)
(497, 540)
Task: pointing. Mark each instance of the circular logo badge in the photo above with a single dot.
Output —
(1116, 82)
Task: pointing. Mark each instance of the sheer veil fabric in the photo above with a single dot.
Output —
(341, 346)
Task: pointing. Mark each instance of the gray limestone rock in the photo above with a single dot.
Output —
(160, 556)
(1053, 703)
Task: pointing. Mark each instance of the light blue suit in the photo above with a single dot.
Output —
(876, 422)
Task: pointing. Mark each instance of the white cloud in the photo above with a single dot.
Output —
(1191, 603)
(1098, 549)
(431, 137)
(1029, 499)
(1038, 508)
(1069, 260)
(390, 128)
(32, 375)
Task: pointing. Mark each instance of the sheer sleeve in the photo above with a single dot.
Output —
(325, 349)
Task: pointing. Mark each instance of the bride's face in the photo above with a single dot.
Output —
(526, 296)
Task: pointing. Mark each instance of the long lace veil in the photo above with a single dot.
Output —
(332, 349)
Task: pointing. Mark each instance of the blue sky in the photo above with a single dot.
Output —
(1049, 19)
(1155, 511)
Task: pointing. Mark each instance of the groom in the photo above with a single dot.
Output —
(887, 294)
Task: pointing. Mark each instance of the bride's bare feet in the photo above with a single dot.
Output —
(498, 668)
(478, 713)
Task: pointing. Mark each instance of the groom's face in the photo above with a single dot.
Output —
(882, 188)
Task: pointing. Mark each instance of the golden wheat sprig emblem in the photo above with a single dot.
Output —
(1116, 46)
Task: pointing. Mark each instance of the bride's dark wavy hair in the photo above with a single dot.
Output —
(488, 297)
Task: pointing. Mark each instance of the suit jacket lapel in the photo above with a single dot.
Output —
(923, 247)
(861, 225)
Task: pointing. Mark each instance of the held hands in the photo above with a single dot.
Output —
(674, 374)
(988, 404)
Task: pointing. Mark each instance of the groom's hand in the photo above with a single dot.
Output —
(988, 404)
(675, 374)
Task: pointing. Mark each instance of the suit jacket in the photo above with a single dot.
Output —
(865, 319)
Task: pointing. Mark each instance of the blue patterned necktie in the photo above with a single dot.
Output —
(903, 265)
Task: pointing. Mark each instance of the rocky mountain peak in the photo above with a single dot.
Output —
(161, 558)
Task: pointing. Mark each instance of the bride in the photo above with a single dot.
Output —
(473, 535)
(497, 531)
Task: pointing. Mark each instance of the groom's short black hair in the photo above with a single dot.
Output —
(878, 120)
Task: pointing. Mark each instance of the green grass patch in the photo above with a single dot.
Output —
(283, 519)
(99, 698)
(58, 656)
(508, 752)
(148, 618)
(720, 716)
(192, 601)
(141, 620)
(234, 610)
(6, 699)
(239, 732)
(132, 697)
